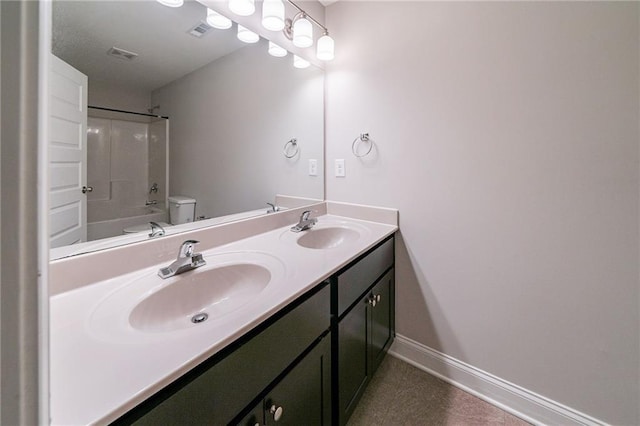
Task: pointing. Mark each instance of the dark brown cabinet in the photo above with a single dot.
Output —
(302, 397)
(365, 330)
(380, 320)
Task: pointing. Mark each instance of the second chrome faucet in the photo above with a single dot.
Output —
(306, 222)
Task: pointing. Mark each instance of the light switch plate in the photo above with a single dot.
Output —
(340, 171)
(313, 167)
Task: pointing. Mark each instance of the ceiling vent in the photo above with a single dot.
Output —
(200, 30)
(116, 52)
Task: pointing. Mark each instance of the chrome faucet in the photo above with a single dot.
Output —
(156, 230)
(186, 261)
(305, 222)
(273, 208)
(150, 203)
(154, 188)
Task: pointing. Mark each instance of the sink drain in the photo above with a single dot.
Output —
(198, 318)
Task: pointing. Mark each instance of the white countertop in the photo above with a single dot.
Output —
(101, 367)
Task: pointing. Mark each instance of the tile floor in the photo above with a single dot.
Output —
(400, 394)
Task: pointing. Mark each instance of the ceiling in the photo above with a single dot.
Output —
(83, 32)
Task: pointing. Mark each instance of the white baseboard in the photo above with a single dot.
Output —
(520, 402)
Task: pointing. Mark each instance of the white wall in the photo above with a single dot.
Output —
(228, 123)
(507, 135)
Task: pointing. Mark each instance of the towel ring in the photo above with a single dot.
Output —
(294, 144)
(363, 138)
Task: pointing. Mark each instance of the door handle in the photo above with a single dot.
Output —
(86, 189)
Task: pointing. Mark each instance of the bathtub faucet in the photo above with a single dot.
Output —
(150, 203)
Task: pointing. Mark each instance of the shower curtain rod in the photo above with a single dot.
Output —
(127, 112)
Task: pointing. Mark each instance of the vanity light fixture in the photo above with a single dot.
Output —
(217, 20)
(277, 51)
(171, 3)
(299, 30)
(246, 35)
(298, 62)
(242, 7)
(273, 15)
(325, 48)
(302, 32)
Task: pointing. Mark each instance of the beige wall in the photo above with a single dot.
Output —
(123, 98)
(23, 378)
(507, 135)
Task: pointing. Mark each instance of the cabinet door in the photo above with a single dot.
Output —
(381, 320)
(255, 417)
(352, 358)
(364, 336)
(303, 396)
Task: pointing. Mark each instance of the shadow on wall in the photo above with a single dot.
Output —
(417, 299)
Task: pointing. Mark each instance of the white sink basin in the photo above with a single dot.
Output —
(327, 238)
(148, 305)
(201, 295)
(329, 233)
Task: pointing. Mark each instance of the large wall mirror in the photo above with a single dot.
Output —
(199, 116)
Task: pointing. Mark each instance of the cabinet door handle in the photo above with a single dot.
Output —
(372, 301)
(276, 412)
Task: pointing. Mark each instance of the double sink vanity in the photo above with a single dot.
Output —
(273, 326)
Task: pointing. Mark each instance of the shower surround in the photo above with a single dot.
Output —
(124, 159)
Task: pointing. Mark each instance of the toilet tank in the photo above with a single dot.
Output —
(181, 209)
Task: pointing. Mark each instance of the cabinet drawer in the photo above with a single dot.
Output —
(222, 391)
(355, 281)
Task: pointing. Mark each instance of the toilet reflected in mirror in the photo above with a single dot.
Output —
(181, 210)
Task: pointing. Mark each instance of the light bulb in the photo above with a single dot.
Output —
(277, 51)
(246, 35)
(298, 62)
(325, 50)
(218, 21)
(273, 15)
(171, 3)
(242, 7)
(302, 32)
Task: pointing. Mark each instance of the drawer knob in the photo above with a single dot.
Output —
(374, 299)
(276, 412)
